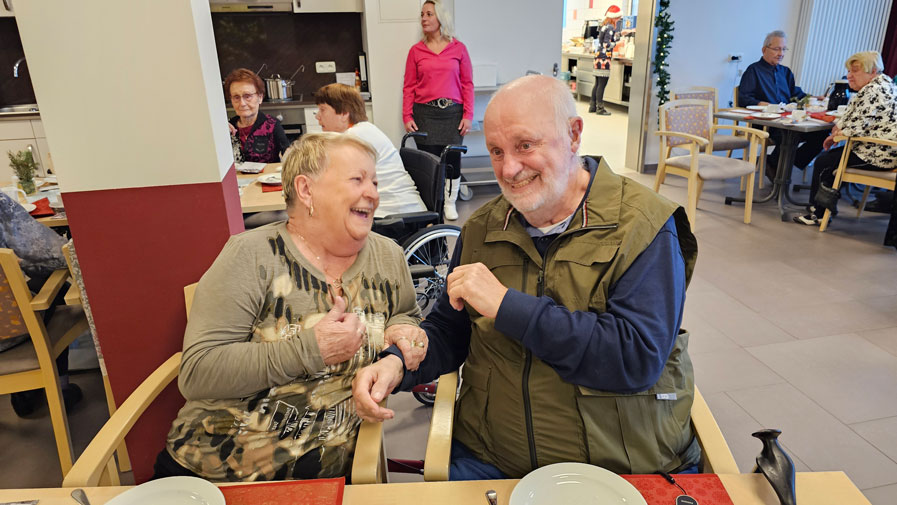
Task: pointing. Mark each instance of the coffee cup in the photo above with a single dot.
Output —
(13, 192)
(842, 109)
(771, 108)
(799, 115)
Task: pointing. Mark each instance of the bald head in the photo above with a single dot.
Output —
(537, 91)
(533, 136)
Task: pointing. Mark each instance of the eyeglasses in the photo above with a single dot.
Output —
(778, 49)
(246, 97)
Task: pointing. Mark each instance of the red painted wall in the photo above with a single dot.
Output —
(138, 248)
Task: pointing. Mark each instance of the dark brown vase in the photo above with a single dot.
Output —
(775, 464)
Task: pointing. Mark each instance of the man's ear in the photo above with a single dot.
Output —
(575, 132)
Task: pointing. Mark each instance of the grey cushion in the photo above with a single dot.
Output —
(729, 142)
(22, 357)
(713, 167)
(888, 176)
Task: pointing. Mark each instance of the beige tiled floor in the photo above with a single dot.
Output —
(791, 329)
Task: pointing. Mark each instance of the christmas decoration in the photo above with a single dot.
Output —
(664, 25)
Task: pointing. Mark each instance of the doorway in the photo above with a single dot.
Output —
(604, 135)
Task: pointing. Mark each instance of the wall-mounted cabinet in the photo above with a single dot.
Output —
(308, 6)
(6, 8)
(18, 135)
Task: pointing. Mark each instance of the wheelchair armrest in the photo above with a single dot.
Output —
(423, 216)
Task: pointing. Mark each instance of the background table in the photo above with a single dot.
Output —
(790, 140)
(253, 199)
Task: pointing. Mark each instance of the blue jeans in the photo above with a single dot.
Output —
(465, 466)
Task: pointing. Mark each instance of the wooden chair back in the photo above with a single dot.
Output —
(691, 116)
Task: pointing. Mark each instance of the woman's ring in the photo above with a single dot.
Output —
(418, 343)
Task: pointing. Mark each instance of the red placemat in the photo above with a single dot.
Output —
(43, 208)
(269, 188)
(291, 492)
(704, 487)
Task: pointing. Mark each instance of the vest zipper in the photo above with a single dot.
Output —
(527, 366)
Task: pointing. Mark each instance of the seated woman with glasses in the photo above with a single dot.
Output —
(260, 136)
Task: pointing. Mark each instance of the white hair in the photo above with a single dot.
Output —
(446, 22)
(773, 34)
(869, 60)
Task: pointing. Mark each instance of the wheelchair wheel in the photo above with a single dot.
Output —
(428, 253)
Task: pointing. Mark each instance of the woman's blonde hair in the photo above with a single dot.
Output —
(308, 156)
(446, 22)
(869, 60)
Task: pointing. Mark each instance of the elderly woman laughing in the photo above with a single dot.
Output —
(282, 321)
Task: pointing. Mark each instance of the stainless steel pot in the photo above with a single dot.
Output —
(278, 89)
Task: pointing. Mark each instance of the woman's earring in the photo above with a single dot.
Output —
(311, 210)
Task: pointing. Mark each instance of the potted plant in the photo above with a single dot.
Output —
(24, 166)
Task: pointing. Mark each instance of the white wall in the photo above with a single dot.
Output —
(705, 33)
(515, 35)
(387, 41)
(144, 106)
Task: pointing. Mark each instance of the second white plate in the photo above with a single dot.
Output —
(766, 115)
(574, 483)
(270, 179)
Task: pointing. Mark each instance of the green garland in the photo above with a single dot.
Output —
(664, 25)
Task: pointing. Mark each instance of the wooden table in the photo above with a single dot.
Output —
(790, 139)
(59, 219)
(254, 199)
(816, 488)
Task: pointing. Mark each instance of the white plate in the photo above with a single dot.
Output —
(270, 179)
(574, 483)
(834, 113)
(756, 107)
(249, 167)
(766, 115)
(171, 491)
(28, 206)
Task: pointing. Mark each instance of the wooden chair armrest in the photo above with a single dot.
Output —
(717, 455)
(745, 129)
(49, 290)
(87, 470)
(70, 335)
(366, 468)
(439, 441)
(73, 295)
(701, 141)
(871, 140)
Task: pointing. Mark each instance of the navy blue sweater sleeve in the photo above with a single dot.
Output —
(448, 332)
(794, 89)
(623, 349)
(749, 88)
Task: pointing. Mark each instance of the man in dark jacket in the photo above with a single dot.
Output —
(563, 303)
(767, 81)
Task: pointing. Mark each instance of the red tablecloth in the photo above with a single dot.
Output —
(270, 188)
(706, 488)
(292, 492)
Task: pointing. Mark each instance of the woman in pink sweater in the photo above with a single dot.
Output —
(438, 93)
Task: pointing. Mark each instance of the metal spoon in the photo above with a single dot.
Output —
(80, 497)
(492, 497)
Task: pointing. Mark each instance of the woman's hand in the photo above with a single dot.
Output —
(411, 340)
(233, 131)
(830, 140)
(371, 385)
(464, 126)
(410, 126)
(339, 333)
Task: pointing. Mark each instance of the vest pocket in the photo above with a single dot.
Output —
(632, 433)
(474, 396)
(579, 273)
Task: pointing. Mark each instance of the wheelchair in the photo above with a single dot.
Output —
(427, 242)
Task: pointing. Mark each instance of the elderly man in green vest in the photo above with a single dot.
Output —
(563, 304)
